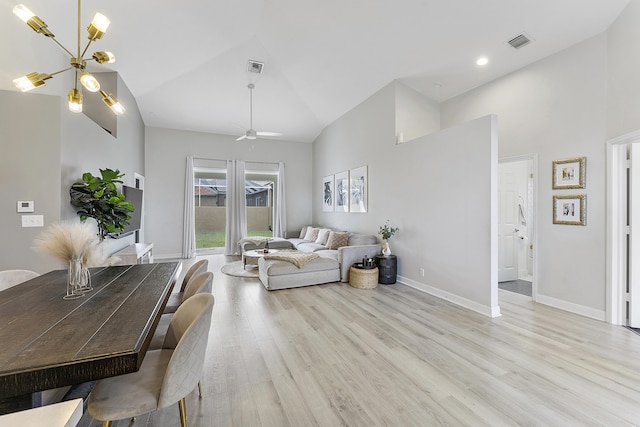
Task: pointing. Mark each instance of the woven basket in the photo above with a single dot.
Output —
(363, 279)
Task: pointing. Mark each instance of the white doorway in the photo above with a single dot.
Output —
(516, 228)
(623, 238)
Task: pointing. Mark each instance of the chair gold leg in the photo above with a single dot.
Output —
(183, 412)
(200, 389)
(106, 424)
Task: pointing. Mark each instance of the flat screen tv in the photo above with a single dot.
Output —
(133, 196)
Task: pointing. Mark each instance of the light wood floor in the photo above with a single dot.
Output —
(333, 355)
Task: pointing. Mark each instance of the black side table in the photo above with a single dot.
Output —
(387, 269)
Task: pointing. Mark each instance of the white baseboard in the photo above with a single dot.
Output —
(571, 307)
(458, 300)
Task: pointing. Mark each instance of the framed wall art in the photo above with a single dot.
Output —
(570, 210)
(341, 192)
(358, 189)
(569, 173)
(328, 198)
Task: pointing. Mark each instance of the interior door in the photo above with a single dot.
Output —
(507, 227)
(634, 237)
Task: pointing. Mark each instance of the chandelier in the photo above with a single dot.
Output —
(78, 62)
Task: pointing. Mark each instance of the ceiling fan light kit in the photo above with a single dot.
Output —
(251, 133)
(78, 63)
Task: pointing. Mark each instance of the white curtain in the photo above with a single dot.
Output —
(189, 231)
(236, 227)
(280, 220)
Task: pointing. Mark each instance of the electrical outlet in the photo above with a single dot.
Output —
(32, 220)
(422, 272)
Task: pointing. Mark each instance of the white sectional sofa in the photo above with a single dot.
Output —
(332, 264)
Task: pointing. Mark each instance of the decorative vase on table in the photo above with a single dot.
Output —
(386, 249)
(75, 279)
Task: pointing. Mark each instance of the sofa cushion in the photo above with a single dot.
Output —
(305, 246)
(303, 232)
(328, 253)
(362, 239)
(296, 242)
(273, 267)
(337, 240)
(311, 234)
(323, 236)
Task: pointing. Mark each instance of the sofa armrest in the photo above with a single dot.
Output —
(349, 255)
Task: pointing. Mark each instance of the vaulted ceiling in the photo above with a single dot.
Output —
(186, 61)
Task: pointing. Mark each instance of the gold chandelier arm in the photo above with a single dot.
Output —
(86, 48)
(61, 46)
(61, 71)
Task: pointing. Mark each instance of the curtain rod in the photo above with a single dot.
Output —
(246, 161)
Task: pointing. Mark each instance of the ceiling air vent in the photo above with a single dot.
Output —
(519, 41)
(255, 67)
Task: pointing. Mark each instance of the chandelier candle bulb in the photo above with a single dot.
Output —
(23, 12)
(29, 18)
(89, 82)
(104, 57)
(31, 81)
(98, 26)
(112, 102)
(75, 101)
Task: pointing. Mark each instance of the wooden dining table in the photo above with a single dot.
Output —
(48, 342)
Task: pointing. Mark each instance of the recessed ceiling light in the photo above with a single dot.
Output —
(482, 61)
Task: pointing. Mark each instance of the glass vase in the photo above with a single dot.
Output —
(75, 279)
(85, 279)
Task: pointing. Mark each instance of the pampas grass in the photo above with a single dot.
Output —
(72, 240)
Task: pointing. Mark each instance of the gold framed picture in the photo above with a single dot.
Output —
(569, 173)
(570, 210)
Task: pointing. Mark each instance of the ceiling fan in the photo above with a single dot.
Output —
(252, 133)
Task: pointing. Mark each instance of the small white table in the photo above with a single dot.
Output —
(138, 253)
(252, 257)
(63, 414)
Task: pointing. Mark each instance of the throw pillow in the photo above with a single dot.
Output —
(312, 234)
(323, 236)
(303, 232)
(337, 240)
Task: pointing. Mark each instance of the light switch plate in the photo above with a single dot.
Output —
(33, 220)
(26, 206)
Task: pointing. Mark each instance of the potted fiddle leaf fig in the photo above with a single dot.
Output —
(98, 197)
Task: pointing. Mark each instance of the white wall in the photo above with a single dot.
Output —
(556, 108)
(439, 189)
(623, 84)
(416, 115)
(166, 152)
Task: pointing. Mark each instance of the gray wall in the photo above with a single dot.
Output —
(440, 190)
(45, 149)
(29, 170)
(557, 109)
(166, 153)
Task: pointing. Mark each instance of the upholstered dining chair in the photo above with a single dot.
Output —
(199, 267)
(10, 278)
(166, 376)
(192, 288)
(201, 283)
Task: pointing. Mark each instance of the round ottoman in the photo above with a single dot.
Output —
(362, 278)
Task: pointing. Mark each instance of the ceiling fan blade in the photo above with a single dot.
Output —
(241, 138)
(268, 134)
